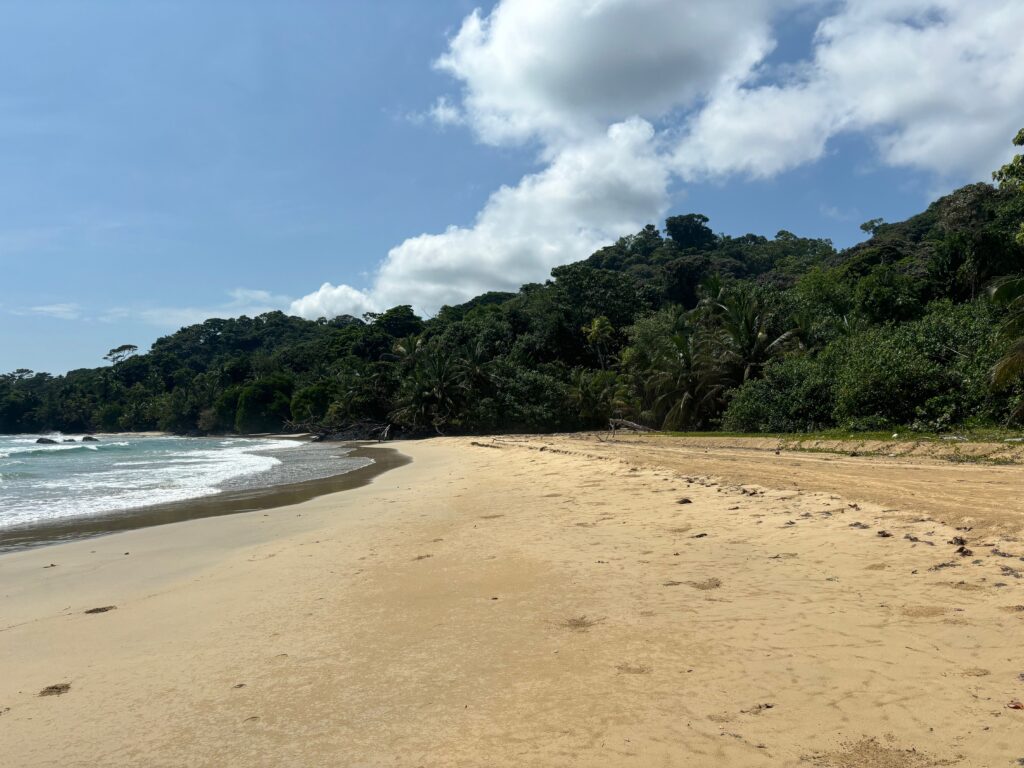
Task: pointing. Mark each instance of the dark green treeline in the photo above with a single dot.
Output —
(676, 329)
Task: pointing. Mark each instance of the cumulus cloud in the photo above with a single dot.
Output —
(559, 70)
(333, 300)
(936, 84)
(589, 194)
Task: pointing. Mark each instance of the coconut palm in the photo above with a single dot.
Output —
(599, 333)
(746, 335)
(598, 395)
(686, 382)
(1010, 367)
(432, 393)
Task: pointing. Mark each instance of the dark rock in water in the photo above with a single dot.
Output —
(69, 440)
(89, 439)
(45, 441)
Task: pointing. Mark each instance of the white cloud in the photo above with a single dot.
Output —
(333, 300)
(562, 70)
(445, 113)
(936, 84)
(588, 195)
(68, 311)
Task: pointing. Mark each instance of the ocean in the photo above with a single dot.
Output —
(46, 484)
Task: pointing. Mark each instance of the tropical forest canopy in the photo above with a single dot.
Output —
(921, 326)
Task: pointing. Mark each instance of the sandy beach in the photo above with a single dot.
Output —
(544, 601)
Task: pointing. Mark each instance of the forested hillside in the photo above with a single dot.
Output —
(678, 328)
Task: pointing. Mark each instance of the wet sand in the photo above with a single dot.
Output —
(540, 601)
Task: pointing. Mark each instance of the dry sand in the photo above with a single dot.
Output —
(541, 602)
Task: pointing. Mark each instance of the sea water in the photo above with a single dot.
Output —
(42, 483)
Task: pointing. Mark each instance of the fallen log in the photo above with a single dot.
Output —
(616, 424)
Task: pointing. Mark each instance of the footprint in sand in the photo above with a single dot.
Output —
(975, 672)
(923, 611)
(963, 586)
(707, 584)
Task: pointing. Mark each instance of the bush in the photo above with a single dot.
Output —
(795, 395)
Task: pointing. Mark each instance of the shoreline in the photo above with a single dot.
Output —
(60, 531)
(551, 601)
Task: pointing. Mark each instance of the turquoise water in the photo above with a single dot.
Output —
(40, 483)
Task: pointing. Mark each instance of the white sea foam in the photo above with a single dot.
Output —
(74, 479)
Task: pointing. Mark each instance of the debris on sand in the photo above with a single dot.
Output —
(685, 500)
(421, 557)
(884, 535)
(915, 540)
(56, 690)
(860, 525)
(580, 623)
(757, 709)
(104, 609)
(707, 584)
(957, 541)
(1015, 704)
(870, 753)
(633, 669)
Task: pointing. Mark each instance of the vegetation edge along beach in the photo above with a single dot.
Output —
(919, 327)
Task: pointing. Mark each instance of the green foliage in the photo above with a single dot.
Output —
(264, 404)
(795, 395)
(681, 329)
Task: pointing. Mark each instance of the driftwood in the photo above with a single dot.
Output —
(617, 424)
(353, 430)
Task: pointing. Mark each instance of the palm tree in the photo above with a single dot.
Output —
(405, 351)
(599, 333)
(598, 395)
(746, 335)
(1010, 367)
(686, 382)
(432, 393)
(475, 365)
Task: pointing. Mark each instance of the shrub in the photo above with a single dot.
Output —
(795, 395)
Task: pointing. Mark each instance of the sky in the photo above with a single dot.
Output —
(163, 162)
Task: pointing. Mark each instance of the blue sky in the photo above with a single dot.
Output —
(162, 162)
